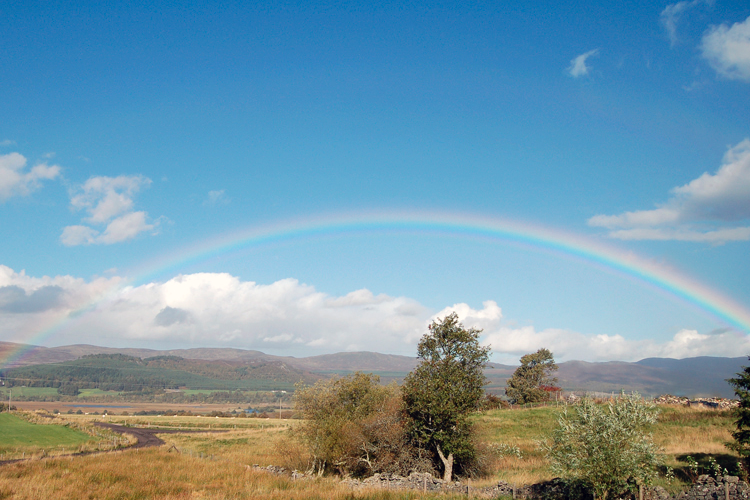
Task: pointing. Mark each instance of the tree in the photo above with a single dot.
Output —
(606, 445)
(354, 425)
(533, 380)
(741, 436)
(444, 389)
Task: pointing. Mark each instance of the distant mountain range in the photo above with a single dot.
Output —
(700, 376)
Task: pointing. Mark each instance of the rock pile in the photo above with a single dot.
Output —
(708, 488)
(705, 487)
(717, 403)
(427, 482)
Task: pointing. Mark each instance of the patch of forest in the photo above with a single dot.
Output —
(122, 373)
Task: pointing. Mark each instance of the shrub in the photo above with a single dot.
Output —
(353, 425)
(606, 445)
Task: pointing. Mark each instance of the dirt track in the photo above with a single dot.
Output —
(146, 438)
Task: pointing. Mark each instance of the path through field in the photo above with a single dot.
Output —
(145, 438)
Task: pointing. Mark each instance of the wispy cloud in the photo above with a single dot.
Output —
(218, 197)
(672, 14)
(16, 181)
(108, 201)
(713, 208)
(7, 142)
(578, 65)
(727, 50)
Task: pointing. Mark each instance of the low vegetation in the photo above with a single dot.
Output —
(208, 465)
(438, 421)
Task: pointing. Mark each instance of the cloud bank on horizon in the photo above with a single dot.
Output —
(220, 310)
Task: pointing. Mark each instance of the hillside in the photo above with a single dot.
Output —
(701, 376)
(120, 372)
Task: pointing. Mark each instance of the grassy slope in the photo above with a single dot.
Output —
(18, 433)
(680, 432)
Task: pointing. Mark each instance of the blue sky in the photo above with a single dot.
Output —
(129, 133)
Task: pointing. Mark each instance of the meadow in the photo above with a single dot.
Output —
(219, 465)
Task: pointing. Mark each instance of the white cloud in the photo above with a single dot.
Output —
(125, 227)
(6, 142)
(219, 309)
(710, 208)
(578, 66)
(217, 197)
(15, 181)
(78, 235)
(727, 50)
(108, 200)
(216, 309)
(672, 13)
(106, 197)
(29, 304)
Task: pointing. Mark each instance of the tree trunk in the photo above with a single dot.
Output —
(447, 463)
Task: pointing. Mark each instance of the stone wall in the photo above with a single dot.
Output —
(723, 488)
(705, 487)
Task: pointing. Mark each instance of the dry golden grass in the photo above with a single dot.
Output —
(160, 474)
(216, 465)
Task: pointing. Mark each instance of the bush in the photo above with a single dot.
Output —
(606, 445)
(353, 425)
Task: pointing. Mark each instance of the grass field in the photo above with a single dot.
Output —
(211, 465)
(680, 432)
(19, 434)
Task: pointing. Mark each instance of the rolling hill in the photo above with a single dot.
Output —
(700, 376)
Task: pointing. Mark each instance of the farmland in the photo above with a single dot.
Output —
(211, 465)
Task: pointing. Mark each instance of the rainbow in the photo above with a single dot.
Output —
(592, 251)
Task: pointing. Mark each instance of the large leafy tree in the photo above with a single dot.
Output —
(606, 445)
(444, 389)
(532, 381)
(741, 436)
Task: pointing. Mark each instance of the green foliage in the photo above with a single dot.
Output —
(533, 380)
(117, 372)
(444, 389)
(606, 445)
(741, 435)
(354, 425)
(68, 390)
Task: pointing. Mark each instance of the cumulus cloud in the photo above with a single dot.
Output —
(578, 66)
(16, 181)
(727, 50)
(108, 201)
(567, 345)
(711, 208)
(672, 14)
(15, 299)
(217, 309)
(30, 304)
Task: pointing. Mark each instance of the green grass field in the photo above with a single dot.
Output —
(24, 392)
(19, 434)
